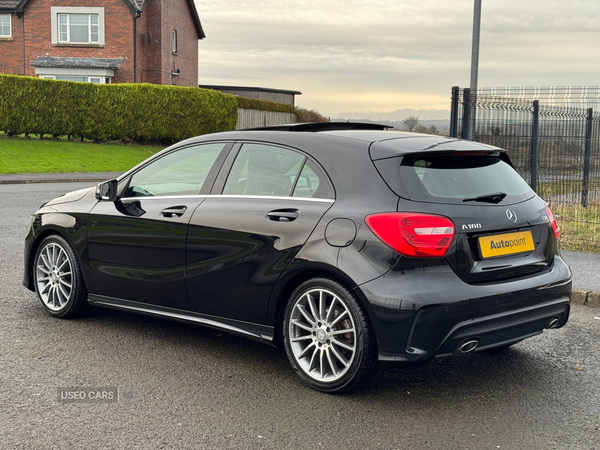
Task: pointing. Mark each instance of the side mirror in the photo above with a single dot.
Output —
(107, 191)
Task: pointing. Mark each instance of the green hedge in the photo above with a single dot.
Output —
(139, 112)
(302, 115)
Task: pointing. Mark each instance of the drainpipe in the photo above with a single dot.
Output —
(22, 19)
(135, 18)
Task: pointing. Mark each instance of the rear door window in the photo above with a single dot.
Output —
(271, 171)
(312, 183)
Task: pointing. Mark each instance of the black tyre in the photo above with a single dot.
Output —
(58, 282)
(328, 338)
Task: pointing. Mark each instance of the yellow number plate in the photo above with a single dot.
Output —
(506, 244)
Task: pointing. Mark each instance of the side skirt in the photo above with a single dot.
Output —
(254, 331)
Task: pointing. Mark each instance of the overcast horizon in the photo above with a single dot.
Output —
(348, 59)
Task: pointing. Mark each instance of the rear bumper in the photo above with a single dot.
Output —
(504, 329)
(420, 316)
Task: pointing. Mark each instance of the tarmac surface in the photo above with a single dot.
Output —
(585, 266)
(189, 387)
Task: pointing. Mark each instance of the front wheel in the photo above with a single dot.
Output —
(328, 338)
(58, 281)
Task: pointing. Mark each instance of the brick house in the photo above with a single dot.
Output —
(101, 41)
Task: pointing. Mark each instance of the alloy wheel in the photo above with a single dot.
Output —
(322, 335)
(54, 276)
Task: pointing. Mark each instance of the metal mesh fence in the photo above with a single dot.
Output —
(553, 138)
(573, 96)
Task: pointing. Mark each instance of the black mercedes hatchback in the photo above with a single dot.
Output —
(354, 246)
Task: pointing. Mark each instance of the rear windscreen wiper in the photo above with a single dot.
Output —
(496, 197)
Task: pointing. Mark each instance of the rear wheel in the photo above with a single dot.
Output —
(58, 282)
(328, 338)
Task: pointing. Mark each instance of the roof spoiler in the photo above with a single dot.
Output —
(324, 126)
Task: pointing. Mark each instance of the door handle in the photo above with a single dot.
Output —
(283, 215)
(174, 211)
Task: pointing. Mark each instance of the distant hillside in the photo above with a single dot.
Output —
(396, 116)
(442, 126)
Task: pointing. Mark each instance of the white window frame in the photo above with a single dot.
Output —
(9, 35)
(174, 41)
(57, 11)
(66, 21)
(104, 75)
(100, 80)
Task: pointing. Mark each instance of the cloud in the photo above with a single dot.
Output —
(388, 55)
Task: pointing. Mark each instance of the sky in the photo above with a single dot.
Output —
(353, 59)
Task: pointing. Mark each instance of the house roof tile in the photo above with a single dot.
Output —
(12, 5)
(135, 4)
(77, 63)
(196, 19)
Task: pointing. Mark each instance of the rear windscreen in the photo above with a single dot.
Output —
(462, 179)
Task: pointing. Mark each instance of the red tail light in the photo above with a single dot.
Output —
(413, 234)
(553, 222)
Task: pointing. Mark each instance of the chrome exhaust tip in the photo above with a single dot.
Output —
(553, 322)
(468, 346)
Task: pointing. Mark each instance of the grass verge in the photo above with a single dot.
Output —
(579, 227)
(566, 187)
(29, 155)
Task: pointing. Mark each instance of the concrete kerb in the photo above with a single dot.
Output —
(77, 177)
(587, 298)
(593, 299)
